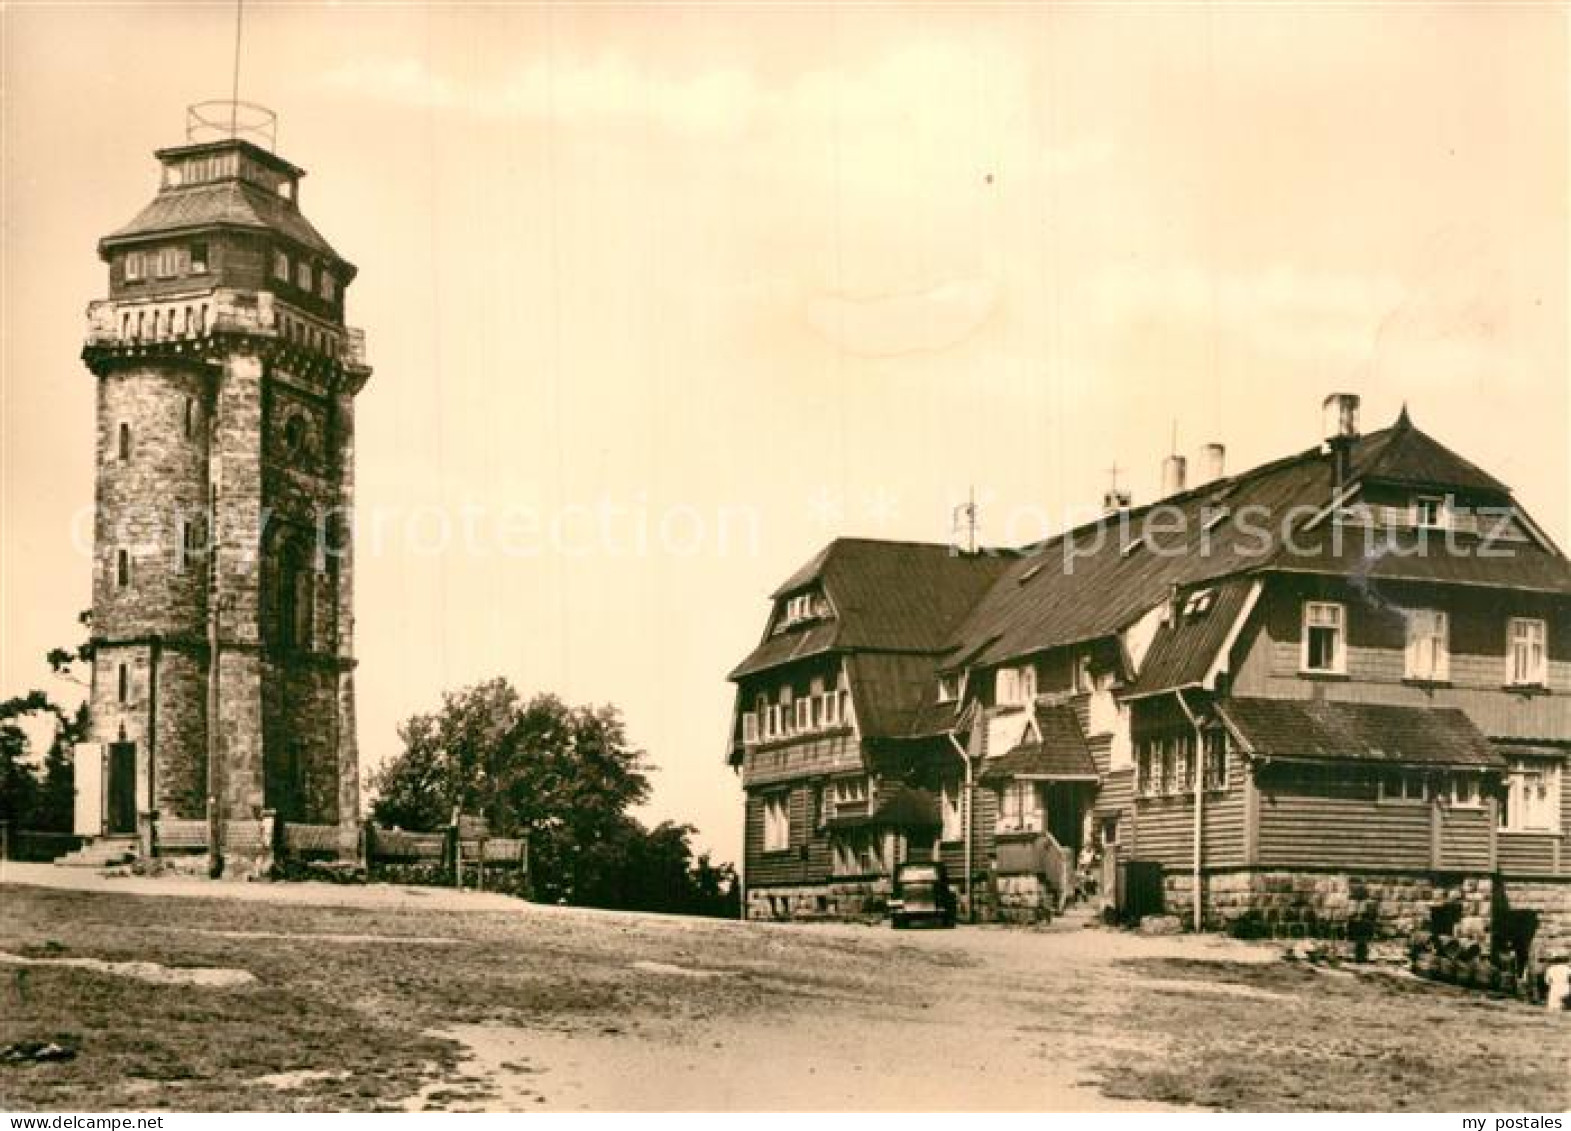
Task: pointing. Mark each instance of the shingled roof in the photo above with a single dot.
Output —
(232, 203)
(1060, 754)
(1097, 579)
(1376, 733)
(1186, 644)
(887, 596)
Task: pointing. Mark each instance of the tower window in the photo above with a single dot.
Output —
(135, 267)
(303, 275)
(201, 319)
(190, 418)
(123, 442)
(280, 266)
(199, 259)
(122, 683)
(168, 262)
(328, 287)
(122, 568)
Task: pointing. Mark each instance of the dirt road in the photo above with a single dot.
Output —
(384, 998)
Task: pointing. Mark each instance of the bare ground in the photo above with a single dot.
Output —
(385, 998)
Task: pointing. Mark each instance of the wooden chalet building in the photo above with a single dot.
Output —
(1359, 654)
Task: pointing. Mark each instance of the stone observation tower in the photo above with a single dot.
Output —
(223, 673)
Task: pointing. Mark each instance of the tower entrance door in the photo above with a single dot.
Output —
(122, 788)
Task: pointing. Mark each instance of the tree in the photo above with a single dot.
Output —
(562, 776)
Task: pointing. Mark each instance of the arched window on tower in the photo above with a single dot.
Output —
(296, 598)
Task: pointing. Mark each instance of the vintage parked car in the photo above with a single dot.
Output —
(921, 893)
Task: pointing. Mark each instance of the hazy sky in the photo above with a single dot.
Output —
(824, 267)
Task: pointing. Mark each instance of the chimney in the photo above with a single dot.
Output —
(1340, 415)
(1173, 475)
(1213, 458)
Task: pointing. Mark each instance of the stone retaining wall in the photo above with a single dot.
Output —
(1287, 902)
(864, 898)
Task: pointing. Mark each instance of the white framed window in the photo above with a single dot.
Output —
(1532, 799)
(168, 264)
(135, 267)
(831, 709)
(1167, 767)
(1325, 637)
(1464, 790)
(1215, 771)
(1430, 512)
(1183, 763)
(1427, 655)
(804, 715)
(303, 278)
(1019, 808)
(1527, 654)
(281, 265)
(328, 285)
(1015, 687)
(858, 852)
(951, 811)
(1145, 765)
(777, 822)
(750, 727)
(849, 792)
(773, 721)
(1404, 786)
(948, 688)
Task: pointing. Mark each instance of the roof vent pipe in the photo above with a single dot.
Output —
(1173, 468)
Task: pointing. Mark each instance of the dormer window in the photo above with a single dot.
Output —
(1430, 512)
(1014, 687)
(948, 688)
(1199, 602)
(804, 606)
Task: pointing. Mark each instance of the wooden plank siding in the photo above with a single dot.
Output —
(831, 753)
(1465, 836)
(1530, 854)
(806, 860)
(1268, 654)
(1164, 827)
(1315, 817)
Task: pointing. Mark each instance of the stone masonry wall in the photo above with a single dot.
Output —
(862, 898)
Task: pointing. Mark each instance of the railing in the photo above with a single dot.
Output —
(173, 318)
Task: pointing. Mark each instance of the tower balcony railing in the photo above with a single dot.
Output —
(116, 323)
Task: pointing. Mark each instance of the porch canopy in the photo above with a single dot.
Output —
(1375, 734)
(1053, 750)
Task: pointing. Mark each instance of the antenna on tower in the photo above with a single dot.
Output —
(965, 518)
(234, 87)
(229, 117)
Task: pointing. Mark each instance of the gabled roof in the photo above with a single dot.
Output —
(1060, 753)
(887, 596)
(1095, 580)
(1375, 733)
(1186, 644)
(232, 203)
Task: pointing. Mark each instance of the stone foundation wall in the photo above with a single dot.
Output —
(1018, 899)
(1286, 902)
(1552, 900)
(863, 898)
